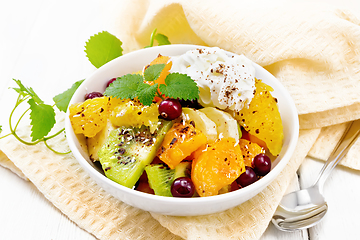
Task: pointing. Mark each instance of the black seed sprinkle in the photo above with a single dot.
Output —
(185, 129)
(174, 140)
(121, 151)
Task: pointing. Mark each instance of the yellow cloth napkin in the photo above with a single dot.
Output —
(64, 183)
(326, 142)
(311, 49)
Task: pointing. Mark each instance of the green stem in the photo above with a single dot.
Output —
(62, 153)
(18, 102)
(158, 93)
(5, 135)
(17, 124)
(23, 141)
(152, 37)
(54, 135)
(12, 130)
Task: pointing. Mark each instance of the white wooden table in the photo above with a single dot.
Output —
(41, 43)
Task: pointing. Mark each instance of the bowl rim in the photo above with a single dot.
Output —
(261, 183)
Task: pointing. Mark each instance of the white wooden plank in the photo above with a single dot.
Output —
(273, 233)
(15, 26)
(26, 214)
(34, 51)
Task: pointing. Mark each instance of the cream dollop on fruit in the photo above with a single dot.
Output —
(224, 81)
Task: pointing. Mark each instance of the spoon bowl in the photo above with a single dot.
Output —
(303, 200)
(288, 221)
(305, 208)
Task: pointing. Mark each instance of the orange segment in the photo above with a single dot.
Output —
(196, 153)
(252, 138)
(249, 151)
(262, 118)
(179, 142)
(168, 64)
(258, 141)
(217, 166)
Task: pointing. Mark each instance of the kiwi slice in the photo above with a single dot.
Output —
(128, 150)
(161, 176)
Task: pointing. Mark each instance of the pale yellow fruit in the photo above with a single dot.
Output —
(89, 117)
(134, 114)
(202, 122)
(226, 125)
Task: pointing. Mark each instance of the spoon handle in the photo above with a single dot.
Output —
(347, 140)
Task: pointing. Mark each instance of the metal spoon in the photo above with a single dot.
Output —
(305, 208)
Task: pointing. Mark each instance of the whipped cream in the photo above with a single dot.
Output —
(226, 82)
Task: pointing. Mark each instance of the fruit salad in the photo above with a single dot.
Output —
(217, 136)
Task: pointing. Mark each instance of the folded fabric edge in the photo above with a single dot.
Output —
(326, 142)
(7, 163)
(330, 117)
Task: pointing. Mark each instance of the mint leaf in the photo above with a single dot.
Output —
(146, 93)
(153, 72)
(131, 86)
(179, 86)
(125, 87)
(42, 119)
(62, 100)
(102, 48)
(162, 39)
(24, 91)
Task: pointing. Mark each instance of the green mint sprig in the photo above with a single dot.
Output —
(131, 86)
(42, 115)
(100, 49)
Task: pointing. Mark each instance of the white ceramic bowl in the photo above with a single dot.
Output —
(135, 61)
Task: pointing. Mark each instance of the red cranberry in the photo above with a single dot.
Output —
(248, 177)
(110, 81)
(182, 187)
(93, 95)
(261, 164)
(170, 109)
